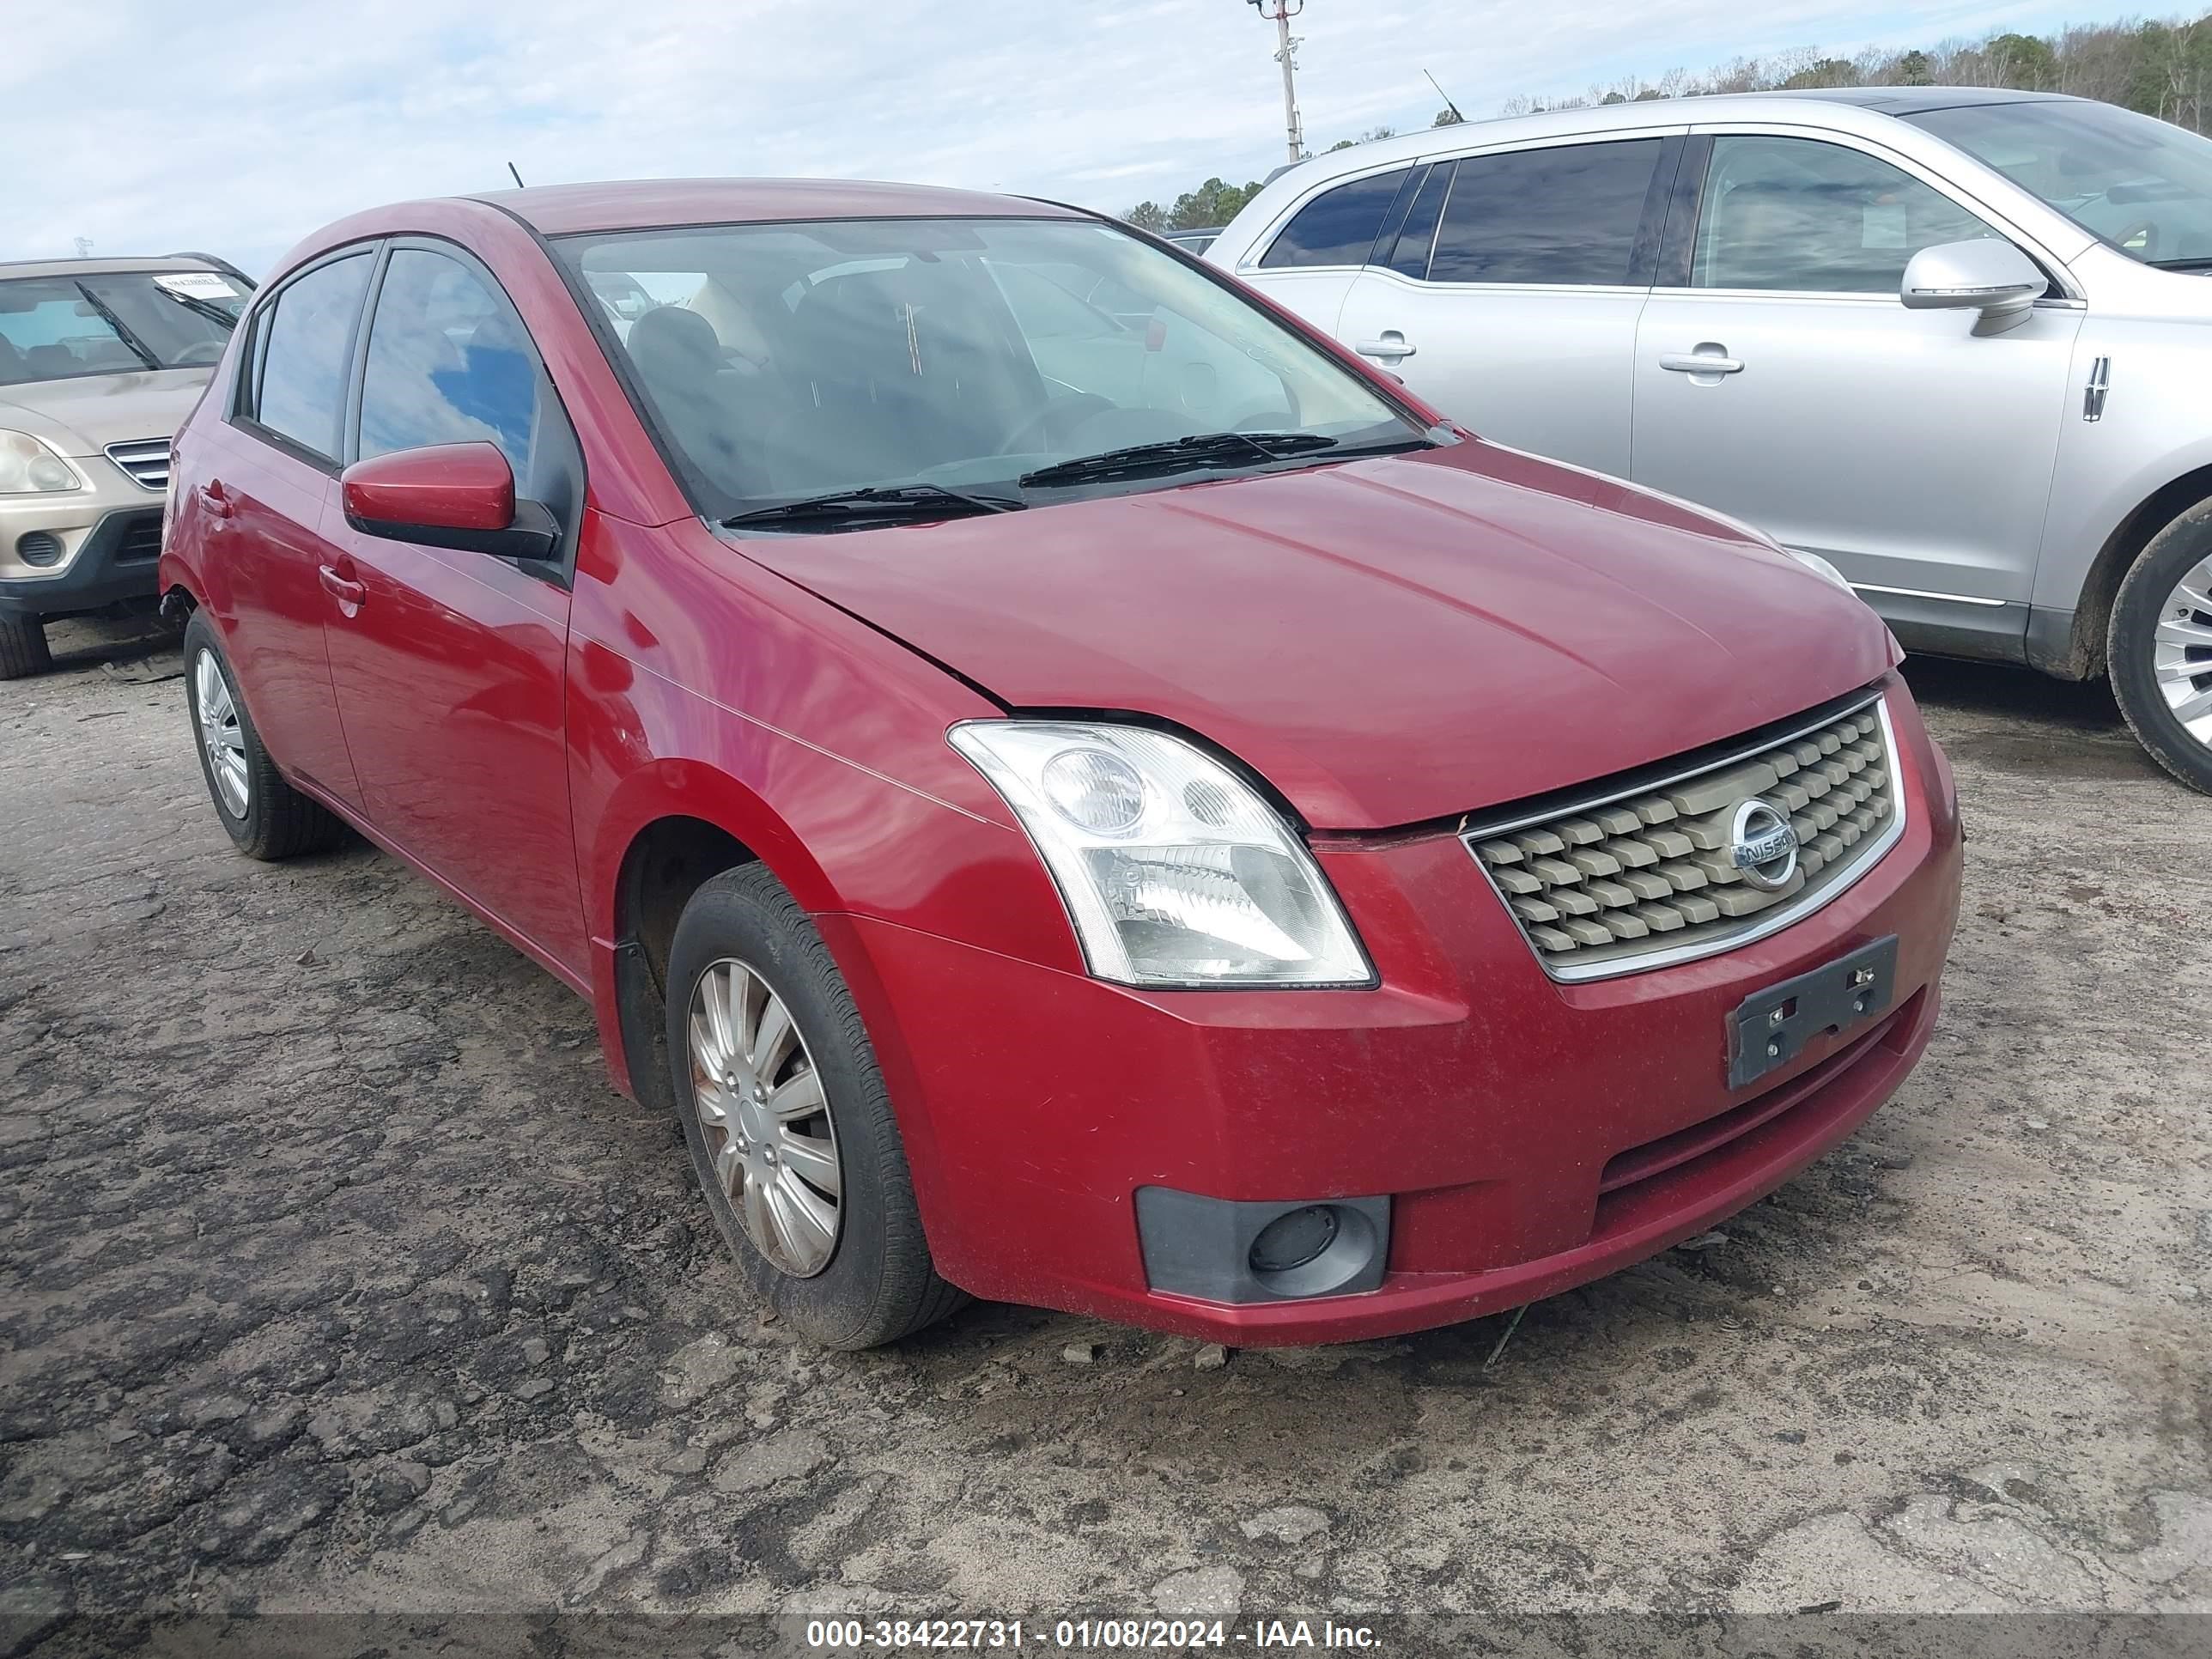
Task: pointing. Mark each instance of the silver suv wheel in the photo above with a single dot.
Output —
(2181, 657)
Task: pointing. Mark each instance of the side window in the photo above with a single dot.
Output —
(1567, 213)
(1410, 255)
(1338, 227)
(448, 362)
(1801, 215)
(306, 341)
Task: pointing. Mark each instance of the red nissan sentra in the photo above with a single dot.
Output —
(1076, 789)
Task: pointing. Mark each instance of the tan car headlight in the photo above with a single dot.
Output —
(28, 467)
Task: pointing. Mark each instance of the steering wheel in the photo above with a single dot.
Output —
(200, 352)
(2145, 229)
(1036, 432)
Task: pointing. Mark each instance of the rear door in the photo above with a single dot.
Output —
(449, 663)
(262, 498)
(1311, 263)
(1508, 296)
(1779, 379)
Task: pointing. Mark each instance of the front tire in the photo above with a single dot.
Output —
(23, 649)
(2160, 649)
(265, 817)
(788, 1124)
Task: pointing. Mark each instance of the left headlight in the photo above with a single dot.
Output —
(1174, 871)
(27, 467)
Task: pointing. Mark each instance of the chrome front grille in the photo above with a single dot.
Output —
(146, 460)
(1645, 875)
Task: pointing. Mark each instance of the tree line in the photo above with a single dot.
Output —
(2162, 68)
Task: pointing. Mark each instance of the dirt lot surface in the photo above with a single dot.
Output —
(336, 1276)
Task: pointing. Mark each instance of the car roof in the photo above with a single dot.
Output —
(12, 269)
(646, 204)
(1912, 100)
(1853, 108)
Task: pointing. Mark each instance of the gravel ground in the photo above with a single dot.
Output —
(335, 1277)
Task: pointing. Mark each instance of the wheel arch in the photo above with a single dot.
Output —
(2082, 656)
(669, 832)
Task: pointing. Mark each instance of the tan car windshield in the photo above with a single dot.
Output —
(58, 328)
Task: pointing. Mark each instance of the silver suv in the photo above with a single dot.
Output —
(1957, 341)
(100, 360)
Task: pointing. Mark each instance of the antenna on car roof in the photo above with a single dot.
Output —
(519, 184)
(1441, 93)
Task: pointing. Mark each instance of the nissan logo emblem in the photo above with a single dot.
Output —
(1763, 845)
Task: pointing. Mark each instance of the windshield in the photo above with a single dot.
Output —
(58, 328)
(788, 362)
(2143, 186)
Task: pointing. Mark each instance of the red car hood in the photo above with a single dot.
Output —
(1386, 640)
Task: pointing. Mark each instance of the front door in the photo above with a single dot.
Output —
(1509, 297)
(1781, 380)
(449, 663)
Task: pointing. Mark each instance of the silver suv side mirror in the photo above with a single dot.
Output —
(1986, 275)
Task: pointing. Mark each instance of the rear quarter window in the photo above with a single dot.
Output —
(1338, 226)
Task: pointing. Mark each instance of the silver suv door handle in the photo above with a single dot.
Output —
(1390, 348)
(1701, 362)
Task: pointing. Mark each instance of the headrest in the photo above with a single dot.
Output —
(670, 340)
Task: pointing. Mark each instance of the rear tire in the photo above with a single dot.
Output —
(876, 1283)
(265, 817)
(2160, 649)
(23, 649)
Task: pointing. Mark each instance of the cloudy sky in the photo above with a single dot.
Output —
(237, 125)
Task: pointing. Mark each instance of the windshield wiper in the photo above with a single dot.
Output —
(916, 503)
(2197, 263)
(1178, 455)
(132, 341)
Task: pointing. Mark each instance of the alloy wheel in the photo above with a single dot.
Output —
(765, 1119)
(2181, 657)
(220, 734)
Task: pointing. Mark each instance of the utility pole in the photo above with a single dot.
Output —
(1287, 55)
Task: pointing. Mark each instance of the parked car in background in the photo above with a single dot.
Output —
(100, 359)
(1204, 844)
(1953, 340)
(1192, 241)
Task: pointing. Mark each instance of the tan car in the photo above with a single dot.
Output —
(100, 360)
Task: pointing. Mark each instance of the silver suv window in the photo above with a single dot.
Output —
(1338, 226)
(1564, 214)
(1801, 215)
(2144, 186)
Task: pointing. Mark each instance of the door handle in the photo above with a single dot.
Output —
(347, 594)
(212, 498)
(1702, 361)
(1390, 348)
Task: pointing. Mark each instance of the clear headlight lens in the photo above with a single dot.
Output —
(27, 467)
(1173, 869)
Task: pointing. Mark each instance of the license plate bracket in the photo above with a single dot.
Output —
(1771, 1028)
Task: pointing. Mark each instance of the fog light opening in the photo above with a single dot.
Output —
(1292, 1241)
(39, 548)
(1314, 1249)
